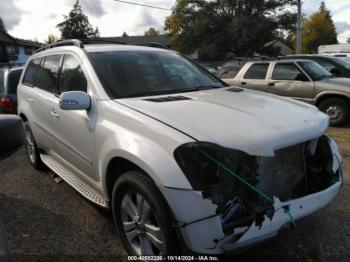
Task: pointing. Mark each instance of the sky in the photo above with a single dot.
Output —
(36, 19)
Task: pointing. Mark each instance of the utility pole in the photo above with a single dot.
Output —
(299, 28)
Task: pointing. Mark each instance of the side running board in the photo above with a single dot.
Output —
(74, 181)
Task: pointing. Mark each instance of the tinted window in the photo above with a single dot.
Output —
(12, 81)
(144, 73)
(287, 72)
(31, 72)
(257, 71)
(47, 77)
(314, 70)
(328, 65)
(72, 76)
(230, 69)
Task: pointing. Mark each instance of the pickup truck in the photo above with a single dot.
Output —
(299, 79)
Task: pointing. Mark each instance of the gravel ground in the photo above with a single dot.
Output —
(46, 221)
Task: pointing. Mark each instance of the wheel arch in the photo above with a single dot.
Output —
(115, 168)
(327, 95)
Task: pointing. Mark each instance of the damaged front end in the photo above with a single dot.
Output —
(251, 197)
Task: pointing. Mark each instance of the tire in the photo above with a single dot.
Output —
(32, 150)
(337, 109)
(140, 212)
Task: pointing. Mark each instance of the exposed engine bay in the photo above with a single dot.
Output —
(293, 172)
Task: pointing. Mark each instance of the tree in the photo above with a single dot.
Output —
(125, 34)
(152, 32)
(2, 26)
(239, 27)
(51, 39)
(318, 30)
(77, 25)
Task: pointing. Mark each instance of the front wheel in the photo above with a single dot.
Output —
(337, 109)
(141, 216)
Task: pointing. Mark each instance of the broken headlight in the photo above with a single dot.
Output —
(235, 201)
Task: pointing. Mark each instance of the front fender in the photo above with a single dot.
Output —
(141, 140)
(329, 93)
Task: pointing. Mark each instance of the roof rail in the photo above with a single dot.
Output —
(152, 44)
(70, 42)
(102, 41)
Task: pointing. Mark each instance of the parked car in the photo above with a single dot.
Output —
(338, 66)
(303, 80)
(210, 68)
(11, 139)
(8, 89)
(181, 159)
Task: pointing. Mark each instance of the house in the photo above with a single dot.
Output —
(15, 51)
(277, 48)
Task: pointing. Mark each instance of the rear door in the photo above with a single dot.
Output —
(41, 99)
(255, 77)
(288, 79)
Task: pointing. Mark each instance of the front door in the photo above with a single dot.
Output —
(288, 80)
(75, 129)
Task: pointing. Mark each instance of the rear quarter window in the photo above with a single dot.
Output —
(31, 72)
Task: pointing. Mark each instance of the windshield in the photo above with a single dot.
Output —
(344, 61)
(144, 73)
(314, 70)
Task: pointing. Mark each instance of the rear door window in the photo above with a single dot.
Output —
(72, 76)
(257, 71)
(48, 74)
(287, 71)
(31, 72)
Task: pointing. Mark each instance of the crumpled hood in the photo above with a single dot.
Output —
(253, 122)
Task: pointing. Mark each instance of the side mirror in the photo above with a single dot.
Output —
(335, 71)
(75, 100)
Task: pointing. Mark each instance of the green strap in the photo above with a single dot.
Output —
(257, 190)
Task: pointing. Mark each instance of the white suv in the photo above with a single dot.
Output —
(182, 160)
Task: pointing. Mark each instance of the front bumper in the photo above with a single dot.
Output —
(201, 227)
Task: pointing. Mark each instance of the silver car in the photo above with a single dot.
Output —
(182, 160)
(299, 79)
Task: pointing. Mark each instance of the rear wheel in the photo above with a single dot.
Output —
(31, 148)
(141, 216)
(337, 109)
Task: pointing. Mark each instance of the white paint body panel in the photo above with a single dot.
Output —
(250, 121)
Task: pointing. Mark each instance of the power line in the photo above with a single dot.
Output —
(144, 5)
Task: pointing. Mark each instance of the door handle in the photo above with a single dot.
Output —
(30, 99)
(54, 114)
(243, 83)
(271, 84)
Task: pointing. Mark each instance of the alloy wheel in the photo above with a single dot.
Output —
(140, 225)
(30, 146)
(334, 112)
